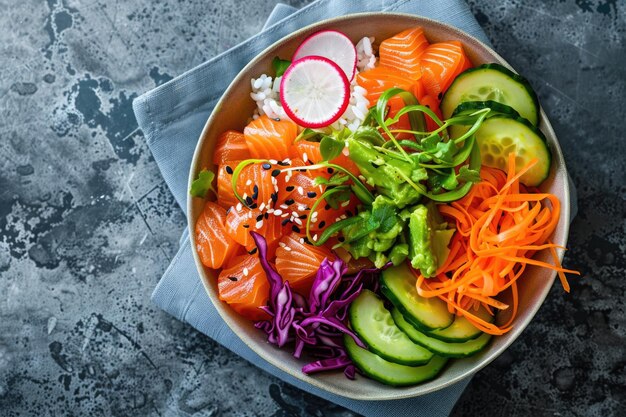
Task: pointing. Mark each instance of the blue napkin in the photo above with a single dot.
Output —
(172, 116)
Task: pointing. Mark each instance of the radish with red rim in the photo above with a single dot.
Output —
(314, 91)
(333, 45)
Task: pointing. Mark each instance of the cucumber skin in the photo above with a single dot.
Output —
(494, 66)
(478, 333)
(446, 354)
(497, 108)
(438, 363)
(384, 355)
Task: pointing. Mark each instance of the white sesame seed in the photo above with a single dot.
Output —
(259, 224)
(277, 212)
(275, 188)
(305, 157)
(338, 219)
(274, 181)
(270, 210)
(362, 178)
(262, 206)
(286, 161)
(314, 215)
(287, 248)
(343, 216)
(273, 161)
(302, 240)
(245, 272)
(245, 195)
(281, 244)
(284, 206)
(249, 182)
(285, 215)
(301, 207)
(297, 221)
(315, 237)
(345, 203)
(238, 207)
(295, 213)
(300, 190)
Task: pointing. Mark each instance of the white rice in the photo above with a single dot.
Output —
(265, 92)
(365, 56)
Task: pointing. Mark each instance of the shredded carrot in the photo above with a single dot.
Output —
(500, 225)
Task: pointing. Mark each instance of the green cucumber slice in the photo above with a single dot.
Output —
(492, 82)
(398, 285)
(390, 373)
(462, 329)
(500, 135)
(469, 107)
(372, 322)
(445, 349)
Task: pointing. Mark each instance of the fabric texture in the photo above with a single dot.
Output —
(172, 117)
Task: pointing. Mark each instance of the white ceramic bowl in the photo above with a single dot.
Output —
(232, 112)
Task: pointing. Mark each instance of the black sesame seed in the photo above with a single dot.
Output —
(259, 217)
(311, 194)
(290, 188)
(233, 278)
(229, 169)
(289, 201)
(302, 216)
(440, 96)
(284, 222)
(252, 251)
(255, 189)
(249, 201)
(266, 215)
(253, 206)
(322, 224)
(295, 228)
(341, 239)
(327, 207)
(349, 213)
(255, 196)
(283, 163)
(276, 173)
(274, 197)
(266, 166)
(245, 226)
(229, 209)
(374, 165)
(330, 170)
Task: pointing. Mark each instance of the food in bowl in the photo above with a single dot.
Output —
(376, 206)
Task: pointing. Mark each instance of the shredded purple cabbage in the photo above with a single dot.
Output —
(316, 325)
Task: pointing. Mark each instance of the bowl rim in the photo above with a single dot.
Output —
(405, 392)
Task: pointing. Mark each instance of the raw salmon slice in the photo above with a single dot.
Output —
(270, 138)
(298, 261)
(239, 224)
(403, 51)
(255, 185)
(231, 146)
(213, 244)
(377, 80)
(244, 287)
(441, 63)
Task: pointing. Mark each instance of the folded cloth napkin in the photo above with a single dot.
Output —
(172, 116)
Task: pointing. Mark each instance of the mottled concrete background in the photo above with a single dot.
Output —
(88, 226)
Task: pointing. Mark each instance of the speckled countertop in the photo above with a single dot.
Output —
(88, 226)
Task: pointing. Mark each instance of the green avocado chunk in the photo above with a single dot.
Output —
(428, 239)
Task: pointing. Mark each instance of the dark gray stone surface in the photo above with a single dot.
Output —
(88, 226)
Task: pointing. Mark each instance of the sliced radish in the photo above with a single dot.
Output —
(314, 91)
(333, 45)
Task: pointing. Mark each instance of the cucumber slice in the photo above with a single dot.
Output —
(492, 82)
(470, 107)
(445, 349)
(372, 322)
(390, 373)
(398, 285)
(462, 329)
(500, 135)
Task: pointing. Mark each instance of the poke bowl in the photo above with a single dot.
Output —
(243, 106)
